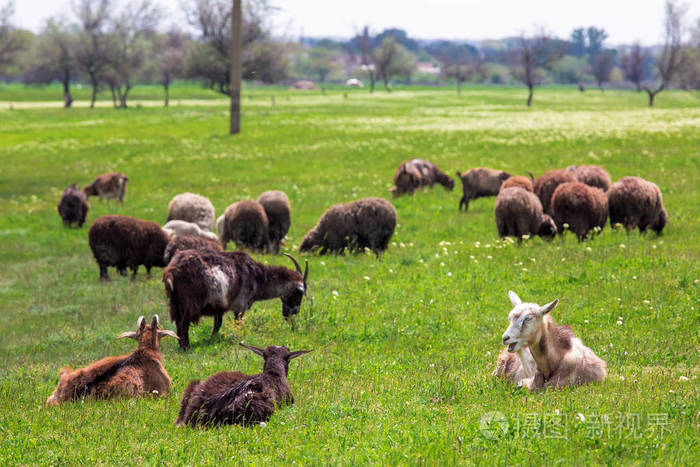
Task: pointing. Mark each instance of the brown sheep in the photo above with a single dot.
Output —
(246, 224)
(546, 183)
(110, 186)
(591, 175)
(232, 397)
(125, 242)
(415, 174)
(276, 205)
(192, 207)
(519, 212)
(581, 206)
(637, 203)
(480, 182)
(207, 283)
(517, 181)
(366, 223)
(138, 374)
(189, 242)
(73, 206)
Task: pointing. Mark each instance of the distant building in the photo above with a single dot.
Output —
(428, 68)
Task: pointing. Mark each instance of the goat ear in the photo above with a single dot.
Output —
(167, 332)
(130, 334)
(548, 307)
(258, 351)
(298, 353)
(514, 299)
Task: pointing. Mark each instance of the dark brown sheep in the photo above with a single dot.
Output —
(189, 242)
(125, 242)
(637, 203)
(138, 374)
(366, 223)
(546, 183)
(591, 175)
(519, 212)
(517, 181)
(581, 206)
(73, 206)
(110, 186)
(206, 283)
(415, 174)
(246, 224)
(480, 182)
(234, 398)
(276, 206)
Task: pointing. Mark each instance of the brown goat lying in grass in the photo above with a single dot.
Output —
(137, 374)
(232, 397)
(540, 353)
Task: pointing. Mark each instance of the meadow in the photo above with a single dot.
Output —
(404, 345)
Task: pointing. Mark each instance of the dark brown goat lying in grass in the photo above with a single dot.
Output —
(234, 398)
(133, 375)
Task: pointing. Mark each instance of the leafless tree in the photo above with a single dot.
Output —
(171, 59)
(91, 52)
(10, 43)
(632, 63)
(367, 57)
(462, 65)
(672, 58)
(602, 67)
(689, 74)
(529, 57)
(54, 57)
(236, 66)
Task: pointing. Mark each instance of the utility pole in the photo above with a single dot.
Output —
(236, 66)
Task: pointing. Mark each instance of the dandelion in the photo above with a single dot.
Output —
(402, 245)
(323, 263)
(391, 270)
(488, 245)
(489, 257)
(441, 263)
(449, 274)
(623, 246)
(526, 237)
(365, 278)
(634, 277)
(566, 225)
(432, 365)
(589, 248)
(335, 293)
(563, 259)
(622, 378)
(683, 379)
(619, 323)
(585, 321)
(525, 269)
(263, 424)
(556, 412)
(471, 256)
(581, 417)
(477, 244)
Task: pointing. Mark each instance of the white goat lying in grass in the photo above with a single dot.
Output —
(556, 357)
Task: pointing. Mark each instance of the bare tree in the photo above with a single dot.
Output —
(671, 59)
(236, 66)
(171, 60)
(10, 42)
(91, 52)
(529, 57)
(689, 74)
(602, 67)
(632, 63)
(462, 63)
(367, 58)
(54, 58)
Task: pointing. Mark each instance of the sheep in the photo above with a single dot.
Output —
(192, 207)
(123, 242)
(591, 175)
(581, 206)
(480, 182)
(415, 174)
(232, 397)
(189, 242)
(178, 227)
(635, 202)
(110, 186)
(138, 374)
(366, 223)
(206, 283)
(246, 224)
(545, 184)
(519, 212)
(276, 206)
(73, 206)
(556, 357)
(517, 181)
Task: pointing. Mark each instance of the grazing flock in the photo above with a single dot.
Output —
(201, 279)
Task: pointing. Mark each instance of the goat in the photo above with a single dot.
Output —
(635, 202)
(556, 357)
(246, 224)
(108, 186)
(73, 206)
(192, 207)
(189, 242)
(138, 374)
(518, 212)
(580, 206)
(232, 397)
(276, 206)
(480, 182)
(207, 283)
(415, 174)
(545, 184)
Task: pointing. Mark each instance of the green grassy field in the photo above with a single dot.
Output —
(404, 346)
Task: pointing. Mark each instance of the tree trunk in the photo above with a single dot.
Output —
(123, 96)
(236, 67)
(529, 97)
(385, 79)
(167, 94)
(93, 83)
(68, 99)
(114, 96)
(372, 81)
(639, 86)
(652, 94)
(459, 87)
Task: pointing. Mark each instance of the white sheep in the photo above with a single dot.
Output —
(547, 354)
(192, 207)
(178, 227)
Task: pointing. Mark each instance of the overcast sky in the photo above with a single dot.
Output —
(626, 21)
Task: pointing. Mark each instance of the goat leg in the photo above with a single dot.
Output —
(218, 319)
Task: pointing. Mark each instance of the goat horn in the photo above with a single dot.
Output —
(140, 323)
(296, 263)
(306, 271)
(155, 321)
(258, 351)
